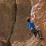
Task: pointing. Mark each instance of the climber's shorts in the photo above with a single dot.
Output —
(33, 30)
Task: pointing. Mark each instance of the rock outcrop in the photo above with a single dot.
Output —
(20, 29)
(20, 35)
(8, 10)
(39, 10)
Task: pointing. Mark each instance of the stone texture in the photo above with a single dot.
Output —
(20, 35)
(20, 29)
(39, 10)
(7, 18)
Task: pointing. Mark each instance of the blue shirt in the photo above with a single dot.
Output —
(31, 25)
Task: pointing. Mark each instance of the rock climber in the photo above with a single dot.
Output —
(32, 28)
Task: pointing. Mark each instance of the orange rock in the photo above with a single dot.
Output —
(39, 10)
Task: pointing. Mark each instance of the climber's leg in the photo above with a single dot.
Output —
(40, 34)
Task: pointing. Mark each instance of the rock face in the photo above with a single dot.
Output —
(20, 35)
(7, 18)
(39, 10)
(20, 29)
